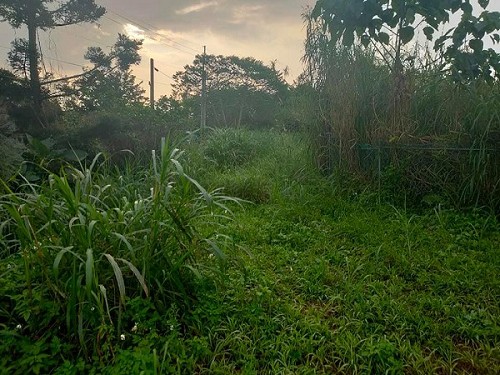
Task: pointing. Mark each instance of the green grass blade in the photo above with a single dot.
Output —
(118, 275)
(89, 271)
(137, 274)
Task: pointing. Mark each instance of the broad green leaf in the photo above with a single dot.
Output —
(138, 275)
(466, 7)
(105, 296)
(476, 45)
(74, 155)
(406, 34)
(383, 37)
(118, 275)
(89, 271)
(429, 32)
(122, 238)
(483, 3)
(59, 257)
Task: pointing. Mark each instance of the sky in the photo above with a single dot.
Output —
(174, 31)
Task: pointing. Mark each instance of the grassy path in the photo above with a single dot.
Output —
(339, 288)
(320, 280)
(333, 282)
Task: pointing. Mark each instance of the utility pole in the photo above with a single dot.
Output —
(204, 91)
(152, 84)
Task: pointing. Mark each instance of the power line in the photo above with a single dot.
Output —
(152, 31)
(156, 33)
(166, 75)
(55, 59)
(142, 23)
(165, 44)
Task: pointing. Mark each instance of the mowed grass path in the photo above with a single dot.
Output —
(332, 282)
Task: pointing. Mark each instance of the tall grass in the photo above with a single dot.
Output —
(90, 239)
(436, 136)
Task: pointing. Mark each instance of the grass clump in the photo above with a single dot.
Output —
(79, 247)
(228, 148)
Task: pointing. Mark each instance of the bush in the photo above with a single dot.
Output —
(11, 148)
(251, 187)
(134, 128)
(230, 147)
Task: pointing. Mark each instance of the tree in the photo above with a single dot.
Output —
(12, 89)
(238, 89)
(110, 82)
(389, 25)
(43, 15)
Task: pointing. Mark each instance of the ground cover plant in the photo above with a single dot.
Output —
(323, 278)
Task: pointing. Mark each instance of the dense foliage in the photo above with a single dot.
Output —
(412, 127)
(41, 15)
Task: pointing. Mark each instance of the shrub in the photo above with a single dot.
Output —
(248, 186)
(11, 148)
(230, 147)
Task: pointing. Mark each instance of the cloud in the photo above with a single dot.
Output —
(246, 13)
(196, 8)
(133, 31)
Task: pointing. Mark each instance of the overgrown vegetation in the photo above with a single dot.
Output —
(356, 231)
(317, 277)
(398, 117)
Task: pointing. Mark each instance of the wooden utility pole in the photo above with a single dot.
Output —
(152, 84)
(204, 91)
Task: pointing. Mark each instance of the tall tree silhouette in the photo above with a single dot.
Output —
(44, 15)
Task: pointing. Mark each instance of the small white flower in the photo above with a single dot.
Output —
(122, 337)
(92, 308)
(18, 327)
(134, 328)
(210, 255)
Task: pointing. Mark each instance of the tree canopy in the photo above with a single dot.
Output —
(110, 82)
(42, 15)
(396, 21)
(239, 90)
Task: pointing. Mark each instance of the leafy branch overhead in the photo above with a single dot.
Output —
(397, 21)
(48, 13)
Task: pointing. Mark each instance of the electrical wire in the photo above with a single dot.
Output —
(166, 75)
(148, 26)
